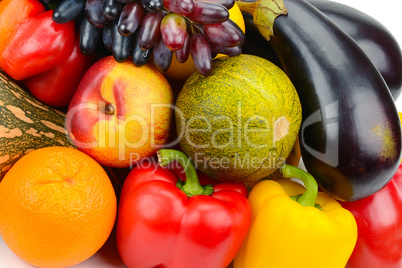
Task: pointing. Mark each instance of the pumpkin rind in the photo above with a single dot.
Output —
(26, 124)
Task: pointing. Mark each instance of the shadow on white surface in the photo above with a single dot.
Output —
(106, 257)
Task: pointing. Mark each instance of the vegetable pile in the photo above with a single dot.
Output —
(203, 168)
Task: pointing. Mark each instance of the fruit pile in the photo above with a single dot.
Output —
(195, 163)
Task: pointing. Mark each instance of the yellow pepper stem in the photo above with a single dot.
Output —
(192, 185)
(309, 197)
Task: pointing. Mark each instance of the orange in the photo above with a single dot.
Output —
(58, 207)
(181, 71)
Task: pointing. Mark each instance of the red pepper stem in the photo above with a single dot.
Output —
(192, 185)
(309, 197)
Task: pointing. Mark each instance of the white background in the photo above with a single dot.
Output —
(385, 11)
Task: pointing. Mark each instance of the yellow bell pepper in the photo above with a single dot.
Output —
(295, 226)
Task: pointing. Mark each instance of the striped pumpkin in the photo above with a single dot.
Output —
(26, 124)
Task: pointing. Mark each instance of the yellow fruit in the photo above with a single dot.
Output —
(400, 117)
(58, 207)
(236, 16)
(181, 71)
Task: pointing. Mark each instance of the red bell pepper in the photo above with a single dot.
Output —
(379, 223)
(39, 44)
(12, 14)
(57, 86)
(164, 222)
(40, 51)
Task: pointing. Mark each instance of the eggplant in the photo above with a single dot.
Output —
(350, 137)
(372, 37)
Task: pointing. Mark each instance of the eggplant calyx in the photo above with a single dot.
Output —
(264, 13)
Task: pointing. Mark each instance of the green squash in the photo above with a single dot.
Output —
(239, 123)
(26, 124)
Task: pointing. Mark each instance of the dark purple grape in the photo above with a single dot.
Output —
(108, 35)
(162, 55)
(94, 12)
(230, 51)
(226, 3)
(152, 5)
(201, 53)
(122, 46)
(68, 10)
(181, 7)
(139, 57)
(207, 12)
(127, 1)
(89, 37)
(50, 1)
(227, 33)
(130, 18)
(150, 29)
(111, 9)
(182, 54)
(173, 30)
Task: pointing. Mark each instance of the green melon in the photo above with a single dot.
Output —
(240, 122)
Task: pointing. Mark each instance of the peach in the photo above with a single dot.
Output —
(120, 113)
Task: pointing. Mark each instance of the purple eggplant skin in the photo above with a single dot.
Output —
(372, 37)
(350, 136)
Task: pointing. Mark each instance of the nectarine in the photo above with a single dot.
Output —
(120, 113)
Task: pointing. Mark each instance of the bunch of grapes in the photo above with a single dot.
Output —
(155, 29)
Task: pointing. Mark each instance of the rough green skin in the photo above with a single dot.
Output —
(243, 94)
(26, 124)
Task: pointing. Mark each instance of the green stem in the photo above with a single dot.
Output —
(192, 185)
(309, 197)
